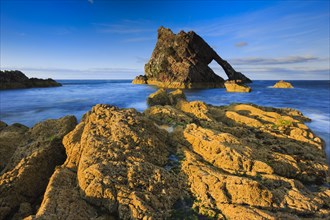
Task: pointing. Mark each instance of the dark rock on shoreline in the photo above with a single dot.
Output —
(17, 80)
(181, 61)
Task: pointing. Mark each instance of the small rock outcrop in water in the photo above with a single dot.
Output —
(29, 160)
(176, 160)
(283, 85)
(17, 80)
(181, 61)
(236, 86)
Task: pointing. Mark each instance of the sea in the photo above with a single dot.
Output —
(76, 97)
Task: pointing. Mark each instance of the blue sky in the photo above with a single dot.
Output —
(99, 39)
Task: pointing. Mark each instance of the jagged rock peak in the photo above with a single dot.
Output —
(181, 61)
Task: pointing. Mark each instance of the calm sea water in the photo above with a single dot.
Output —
(75, 97)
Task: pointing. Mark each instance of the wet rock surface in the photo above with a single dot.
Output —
(183, 159)
(181, 61)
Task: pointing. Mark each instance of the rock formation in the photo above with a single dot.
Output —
(17, 80)
(29, 161)
(178, 160)
(236, 86)
(181, 61)
(283, 85)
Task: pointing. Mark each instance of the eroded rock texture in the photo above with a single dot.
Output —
(181, 61)
(177, 160)
(31, 160)
(116, 167)
(248, 162)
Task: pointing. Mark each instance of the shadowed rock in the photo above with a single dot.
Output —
(36, 153)
(17, 80)
(181, 61)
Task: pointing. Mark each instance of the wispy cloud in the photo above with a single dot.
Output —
(274, 61)
(126, 27)
(139, 39)
(68, 73)
(91, 1)
(241, 44)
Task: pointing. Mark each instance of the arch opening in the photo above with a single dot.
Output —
(217, 69)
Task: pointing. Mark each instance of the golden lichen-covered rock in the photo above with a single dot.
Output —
(25, 176)
(117, 157)
(140, 80)
(283, 85)
(160, 97)
(188, 160)
(234, 86)
(248, 162)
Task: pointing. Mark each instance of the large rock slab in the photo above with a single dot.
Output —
(181, 61)
(248, 162)
(117, 157)
(17, 80)
(26, 174)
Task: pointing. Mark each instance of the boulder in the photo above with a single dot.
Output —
(283, 85)
(140, 80)
(17, 80)
(160, 97)
(10, 138)
(26, 174)
(181, 61)
(236, 86)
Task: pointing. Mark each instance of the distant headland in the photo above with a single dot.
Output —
(15, 79)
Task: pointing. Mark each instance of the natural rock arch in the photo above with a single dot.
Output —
(181, 61)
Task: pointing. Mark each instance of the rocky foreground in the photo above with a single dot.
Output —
(176, 160)
(181, 61)
(17, 80)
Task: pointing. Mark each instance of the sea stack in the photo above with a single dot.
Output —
(15, 79)
(236, 86)
(181, 61)
(283, 85)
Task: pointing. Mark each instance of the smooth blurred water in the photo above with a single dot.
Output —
(75, 97)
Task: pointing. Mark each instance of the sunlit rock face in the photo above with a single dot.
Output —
(181, 61)
(181, 159)
(283, 85)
